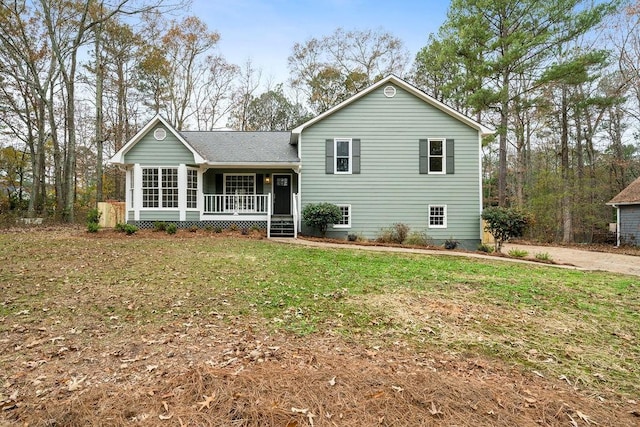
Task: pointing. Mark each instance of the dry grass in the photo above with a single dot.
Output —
(111, 331)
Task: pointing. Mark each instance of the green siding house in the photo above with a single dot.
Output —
(389, 154)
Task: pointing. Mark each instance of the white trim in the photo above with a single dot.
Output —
(409, 88)
(182, 191)
(480, 195)
(258, 165)
(335, 156)
(119, 156)
(617, 225)
(137, 191)
(349, 214)
(444, 156)
(444, 225)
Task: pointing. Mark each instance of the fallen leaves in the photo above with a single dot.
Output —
(208, 400)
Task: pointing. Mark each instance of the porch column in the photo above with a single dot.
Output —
(137, 191)
(182, 191)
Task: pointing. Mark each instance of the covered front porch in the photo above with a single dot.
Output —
(260, 196)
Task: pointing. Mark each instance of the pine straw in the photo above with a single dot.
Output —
(327, 386)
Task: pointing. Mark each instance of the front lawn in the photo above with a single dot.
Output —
(79, 312)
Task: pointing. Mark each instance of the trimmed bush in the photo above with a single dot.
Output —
(159, 226)
(505, 224)
(171, 228)
(129, 229)
(320, 215)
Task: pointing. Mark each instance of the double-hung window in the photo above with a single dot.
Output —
(436, 155)
(345, 221)
(192, 189)
(343, 157)
(159, 187)
(437, 216)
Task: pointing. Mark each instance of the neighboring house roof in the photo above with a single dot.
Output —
(295, 133)
(243, 147)
(628, 196)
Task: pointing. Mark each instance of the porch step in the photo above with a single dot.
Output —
(282, 227)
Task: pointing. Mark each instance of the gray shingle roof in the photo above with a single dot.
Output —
(243, 147)
(630, 195)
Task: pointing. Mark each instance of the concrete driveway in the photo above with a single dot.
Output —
(586, 260)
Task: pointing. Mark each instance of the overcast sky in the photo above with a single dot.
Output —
(266, 30)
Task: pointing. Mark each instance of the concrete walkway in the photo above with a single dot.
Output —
(564, 257)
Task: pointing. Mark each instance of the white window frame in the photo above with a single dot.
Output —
(193, 189)
(444, 216)
(335, 156)
(348, 215)
(443, 156)
(160, 188)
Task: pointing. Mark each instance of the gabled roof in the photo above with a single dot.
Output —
(409, 88)
(628, 196)
(227, 148)
(118, 157)
(235, 147)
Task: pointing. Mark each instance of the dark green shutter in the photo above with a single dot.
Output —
(355, 156)
(259, 183)
(423, 149)
(219, 183)
(450, 157)
(329, 163)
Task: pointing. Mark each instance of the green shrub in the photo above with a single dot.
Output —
(93, 216)
(504, 224)
(120, 227)
(320, 215)
(543, 256)
(483, 247)
(171, 228)
(159, 226)
(518, 253)
(93, 227)
(129, 229)
(217, 229)
(417, 238)
(234, 227)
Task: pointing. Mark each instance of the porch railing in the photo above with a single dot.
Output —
(236, 203)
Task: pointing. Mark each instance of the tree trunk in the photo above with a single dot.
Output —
(99, 116)
(567, 226)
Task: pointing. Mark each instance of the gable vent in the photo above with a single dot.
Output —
(389, 91)
(159, 134)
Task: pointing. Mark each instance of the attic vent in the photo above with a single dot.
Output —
(159, 134)
(389, 91)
